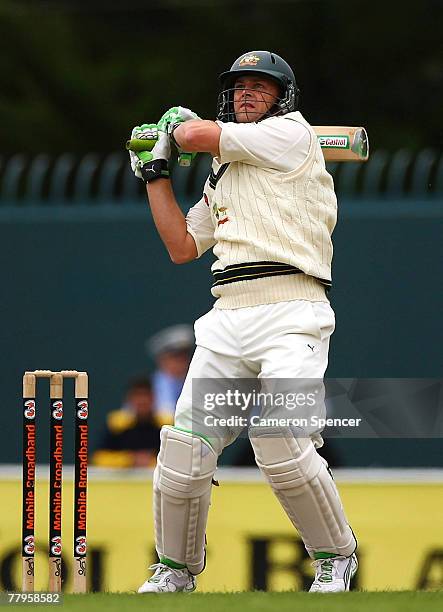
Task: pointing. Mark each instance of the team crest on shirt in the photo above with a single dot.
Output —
(249, 60)
(221, 214)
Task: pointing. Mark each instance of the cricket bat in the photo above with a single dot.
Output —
(341, 143)
(338, 143)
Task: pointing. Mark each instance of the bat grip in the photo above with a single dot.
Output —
(140, 144)
(145, 144)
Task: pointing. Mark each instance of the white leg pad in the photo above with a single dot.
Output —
(300, 479)
(182, 483)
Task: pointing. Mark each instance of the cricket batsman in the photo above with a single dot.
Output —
(268, 211)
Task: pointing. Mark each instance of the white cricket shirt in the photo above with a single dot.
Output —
(269, 198)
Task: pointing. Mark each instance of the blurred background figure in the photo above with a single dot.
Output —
(132, 437)
(171, 348)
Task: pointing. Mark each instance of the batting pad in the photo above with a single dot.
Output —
(182, 490)
(302, 483)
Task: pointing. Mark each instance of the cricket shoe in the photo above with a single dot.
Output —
(168, 580)
(333, 575)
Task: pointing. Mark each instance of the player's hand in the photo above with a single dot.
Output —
(175, 116)
(162, 149)
(169, 121)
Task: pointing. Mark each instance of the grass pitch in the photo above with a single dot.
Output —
(404, 601)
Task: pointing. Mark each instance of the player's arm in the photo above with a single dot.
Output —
(170, 221)
(198, 136)
(189, 132)
(185, 238)
(152, 168)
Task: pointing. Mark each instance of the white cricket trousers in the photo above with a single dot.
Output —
(287, 340)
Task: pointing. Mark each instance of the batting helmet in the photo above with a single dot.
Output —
(256, 63)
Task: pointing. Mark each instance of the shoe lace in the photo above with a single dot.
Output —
(324, 569)
(161, 568)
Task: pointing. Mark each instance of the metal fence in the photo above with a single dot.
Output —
(95, 179)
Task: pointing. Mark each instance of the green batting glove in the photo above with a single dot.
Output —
(169, 121)
(150, 165)
(174, 116)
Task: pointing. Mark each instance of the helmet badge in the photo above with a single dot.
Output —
(249, 60)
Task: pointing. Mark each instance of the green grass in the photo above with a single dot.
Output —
(405, 601)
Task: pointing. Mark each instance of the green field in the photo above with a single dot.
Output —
(406, 601)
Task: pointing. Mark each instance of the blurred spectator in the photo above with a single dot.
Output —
(132, 437)
(171, 348)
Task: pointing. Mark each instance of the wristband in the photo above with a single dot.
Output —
(155, 169)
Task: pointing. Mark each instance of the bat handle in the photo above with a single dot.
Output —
(140, 144)
(144, 144)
